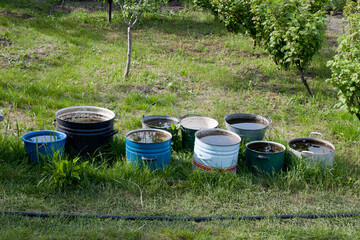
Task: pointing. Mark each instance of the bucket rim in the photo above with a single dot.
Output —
(218, 130)
(269, 142)
(252, 104)
(109, 114)
(266, 120)
(312, 139)
(151, 118)
(61, 135)
(169, 135)
(216, 123)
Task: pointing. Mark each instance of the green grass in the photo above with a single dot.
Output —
(50, 60)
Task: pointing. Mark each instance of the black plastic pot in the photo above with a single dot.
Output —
(87, 128)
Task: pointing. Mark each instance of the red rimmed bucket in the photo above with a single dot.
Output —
(216, 150)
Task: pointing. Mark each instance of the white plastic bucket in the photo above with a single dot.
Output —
(219, 154)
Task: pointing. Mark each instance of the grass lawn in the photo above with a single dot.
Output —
(51, 59)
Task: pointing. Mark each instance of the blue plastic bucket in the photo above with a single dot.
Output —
(151, 147)
(41, 145)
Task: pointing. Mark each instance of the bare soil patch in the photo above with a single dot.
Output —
(15, 14)
(86, 6)
(5, 42)
(95, 6)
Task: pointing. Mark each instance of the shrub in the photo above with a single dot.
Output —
(237, 15)
(204, 4)
(290, 32)
(345, 66)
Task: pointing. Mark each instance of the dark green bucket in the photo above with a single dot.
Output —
(190, 125)
(265, 156)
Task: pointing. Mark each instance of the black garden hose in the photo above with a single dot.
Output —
(196, 219)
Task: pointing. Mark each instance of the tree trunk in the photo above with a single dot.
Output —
(62, 4)
(110, 6)
(304, 80)
(129, 53)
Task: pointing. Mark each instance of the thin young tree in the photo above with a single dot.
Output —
(132, 11)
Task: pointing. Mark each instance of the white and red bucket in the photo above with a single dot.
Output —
(216, 150)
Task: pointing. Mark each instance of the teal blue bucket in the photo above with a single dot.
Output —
(250, 127)
(42, 145)
(151, 147)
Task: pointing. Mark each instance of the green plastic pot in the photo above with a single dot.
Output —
(265, 156)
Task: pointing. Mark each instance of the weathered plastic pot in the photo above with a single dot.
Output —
(216, 150)
(265, 156)
(42, 145)
(160, 121)
(151, 147)
(190, 125)
(313, 151)
(250, 127)
(88, 128)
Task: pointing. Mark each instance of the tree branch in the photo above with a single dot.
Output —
(127, 22)
(136, 20)
(303, 79)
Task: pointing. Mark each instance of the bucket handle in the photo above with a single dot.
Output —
(307, 153)
(177, 113)
(315, 133)
(190, 115)
(261, 157)
(145, 159)
(244, 103)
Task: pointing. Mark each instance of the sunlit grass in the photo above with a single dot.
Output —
(53, 60)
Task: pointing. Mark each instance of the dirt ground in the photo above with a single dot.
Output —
(335, 23)
(93, 6)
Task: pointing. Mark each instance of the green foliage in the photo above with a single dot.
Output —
(176, 139)
(64, 172)
(131, 8)
(206, 5)
(352, 7)
(345, 67)
(336, 5)
(291, 33)
(236, 15)
(318, 5)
